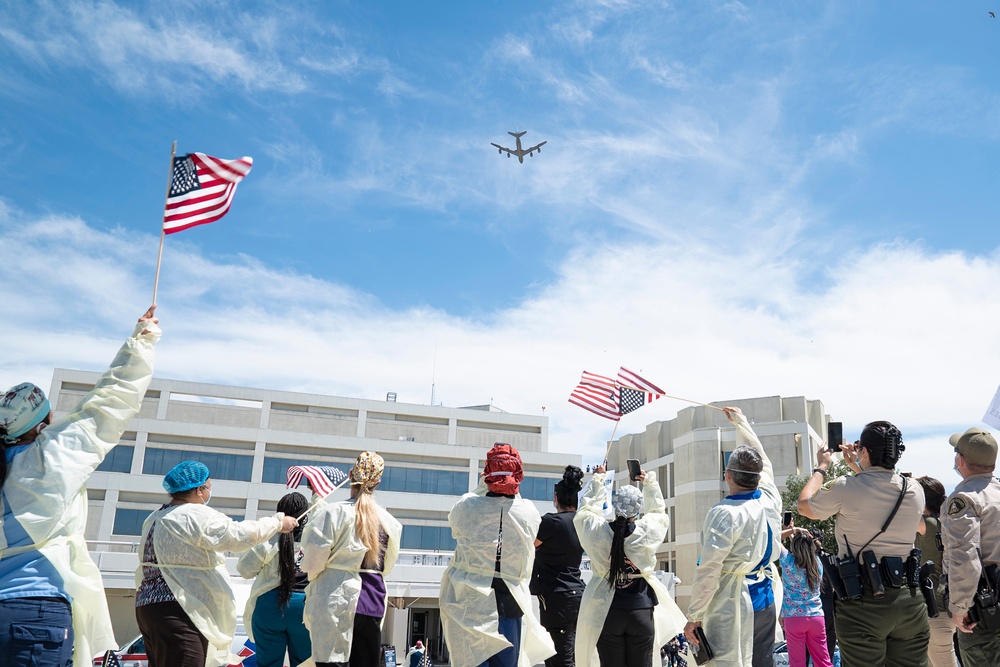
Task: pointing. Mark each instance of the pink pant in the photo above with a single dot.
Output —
(802, 632)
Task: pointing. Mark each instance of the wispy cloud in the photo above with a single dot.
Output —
(708, 323)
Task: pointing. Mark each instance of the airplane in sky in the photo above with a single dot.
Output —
(520, 152)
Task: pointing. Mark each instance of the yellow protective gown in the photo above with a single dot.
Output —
(468, 606)
(595, 535)
(734, 542)
(332, 554)
(261, 563)
(46, 489)
(187, 542)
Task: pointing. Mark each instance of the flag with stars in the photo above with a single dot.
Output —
(111, 660)
(324, 480)
(635, 391)
(201, 189)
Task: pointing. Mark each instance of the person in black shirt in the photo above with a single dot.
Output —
(555, 578)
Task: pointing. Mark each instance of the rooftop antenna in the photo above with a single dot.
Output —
(434, 370)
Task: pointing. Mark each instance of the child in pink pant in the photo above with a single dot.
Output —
(806, 632)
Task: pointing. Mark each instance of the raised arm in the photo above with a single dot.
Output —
(746, 436)
(77, 443)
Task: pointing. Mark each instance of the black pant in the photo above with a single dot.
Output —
(764, 622)
(170, 637)
(558, 615)
(365, 644)
(627, 638)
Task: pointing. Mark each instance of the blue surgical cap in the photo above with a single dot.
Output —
(185, 476)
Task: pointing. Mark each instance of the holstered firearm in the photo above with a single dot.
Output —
(927, 588)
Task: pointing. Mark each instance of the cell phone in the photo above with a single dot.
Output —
(834, 436)
(786, 520)
(634, 469)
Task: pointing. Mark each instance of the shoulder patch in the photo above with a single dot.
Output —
(955, 506)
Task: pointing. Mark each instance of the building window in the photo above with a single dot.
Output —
(538, 488)
(432, 538)
(276, 470)
(118, 459)
(220, 466)
(129, 522)
(418, 480)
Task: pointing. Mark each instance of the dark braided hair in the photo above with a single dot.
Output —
(568, 488)
(292, 504)
(617, 565)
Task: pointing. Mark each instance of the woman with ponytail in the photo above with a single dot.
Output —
(347, 549)
(555, 578)
(278, 593)
(626, 613)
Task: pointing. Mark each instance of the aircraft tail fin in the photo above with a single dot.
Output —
(517, 134)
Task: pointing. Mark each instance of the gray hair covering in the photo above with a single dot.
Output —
(627, 501)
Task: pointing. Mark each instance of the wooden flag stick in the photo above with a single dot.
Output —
(159, 255)
(677, 398)
(608, 450)
(313, 506)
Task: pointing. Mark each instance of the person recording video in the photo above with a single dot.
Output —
(881, 616)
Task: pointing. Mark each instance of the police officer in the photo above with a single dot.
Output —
(886, 627)
(970, 526)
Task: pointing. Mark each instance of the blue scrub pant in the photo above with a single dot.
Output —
(36, 632)
(511, 629)
(274, 631)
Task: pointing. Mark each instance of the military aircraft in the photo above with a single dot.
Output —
(520, 152)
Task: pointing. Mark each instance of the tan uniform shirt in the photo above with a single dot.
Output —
(862, 503)
(970, 520)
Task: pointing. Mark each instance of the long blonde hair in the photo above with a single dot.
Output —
(367, 525)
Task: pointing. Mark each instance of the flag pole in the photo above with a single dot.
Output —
(159, 255)
(316, 502)
(676, 398)
(608, 450)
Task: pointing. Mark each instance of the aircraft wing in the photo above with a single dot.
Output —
(506, 150)
(534, 148)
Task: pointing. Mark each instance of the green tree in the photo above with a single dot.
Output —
(790, 501)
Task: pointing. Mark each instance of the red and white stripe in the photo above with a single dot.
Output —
(218, 179)
(629, 379)
(597, 394)
(318, 480)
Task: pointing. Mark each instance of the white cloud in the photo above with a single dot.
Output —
(895, 332)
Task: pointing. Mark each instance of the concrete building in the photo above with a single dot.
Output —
(249, 437)
(689, 454)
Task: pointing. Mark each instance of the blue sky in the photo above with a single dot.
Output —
(738, 199)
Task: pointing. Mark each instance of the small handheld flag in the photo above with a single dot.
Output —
(201, 189)
(321, 479)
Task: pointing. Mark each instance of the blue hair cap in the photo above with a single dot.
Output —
(185, 476)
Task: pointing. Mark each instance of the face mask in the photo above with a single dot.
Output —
(209, 491)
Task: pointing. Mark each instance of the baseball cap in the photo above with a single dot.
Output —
(978, 447)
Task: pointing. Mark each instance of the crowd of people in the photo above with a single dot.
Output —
(916, 572)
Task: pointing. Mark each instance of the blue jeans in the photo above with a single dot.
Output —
(36, 632)
(511, 629)
(274, 631)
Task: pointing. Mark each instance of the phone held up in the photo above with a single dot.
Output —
(786, 519)
(834, 436)
(634, 469)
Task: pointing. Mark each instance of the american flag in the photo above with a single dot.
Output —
(321, 479)
(111, 660)
(201, 189)
(597, 394)
(627, 378)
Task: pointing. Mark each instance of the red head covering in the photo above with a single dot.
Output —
(503, 471)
